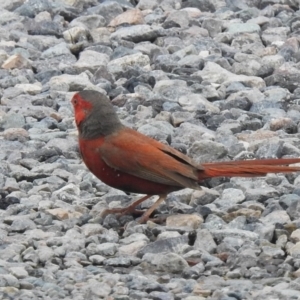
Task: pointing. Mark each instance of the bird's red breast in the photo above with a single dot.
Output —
(91, 154)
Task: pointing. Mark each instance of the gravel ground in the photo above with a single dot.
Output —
(216, 79)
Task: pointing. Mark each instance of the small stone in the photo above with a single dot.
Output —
(168, 262)
(123, 262)
(204, 196)
(214, 73)
(92, 229)
(235, 28)
(234, 274)
(277, 216)
(206, 151)
(199, 291)
(22, 224)
(59, 213)
(43, 16)
(220, 234)
(278, 34)
(11, 185)
(45, 254)
(171, 89)
(117, 66)
(108, 10)
(192, 102)
(214, 222)
(19, 272)
(57, 50)
(90, 21)
(296, 274)
(168, 234)
(273, 251)
(204, 241)
(134, 237)
(295, 236)
(67, 82)
(31, 89)
(13, 120)
(147, 4)
(105, 249)
(179, 117)
(3, 56)
(161, 295)
(242, 212)
(189, 221)
(131, 16)
(274, 61)
(68, 192)
(213, 26)
(281, 241)
(91, 60)
(294, 251)
(76, 33)
(132, 249)
(99, 290)
(16, 134)
(16, 61)
(195, 297)
(285, 124)
(175, 244)
(265, 231)
(177, 19)
(230, 197)
(97, 259)
(8, 280)
(38, 234)
(138, 33)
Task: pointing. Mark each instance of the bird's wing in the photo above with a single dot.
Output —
(133, 153)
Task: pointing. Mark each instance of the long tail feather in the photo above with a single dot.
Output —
(248, 168)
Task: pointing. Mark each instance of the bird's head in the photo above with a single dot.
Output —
(94, 114)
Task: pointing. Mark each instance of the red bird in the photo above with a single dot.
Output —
(132, 162)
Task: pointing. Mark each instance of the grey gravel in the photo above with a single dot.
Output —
(215, 79)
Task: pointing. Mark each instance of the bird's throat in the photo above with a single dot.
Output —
(92, 126)
(80, 117)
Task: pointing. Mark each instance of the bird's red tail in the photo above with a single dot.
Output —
(248, 168)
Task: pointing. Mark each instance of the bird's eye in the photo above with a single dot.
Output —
(74, 101)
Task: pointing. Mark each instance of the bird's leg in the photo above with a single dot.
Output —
(128, 209)
(147, 214)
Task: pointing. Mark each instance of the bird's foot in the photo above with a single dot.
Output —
(128, 209)
(146, 215)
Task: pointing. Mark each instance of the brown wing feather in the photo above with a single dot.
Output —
(138, 155)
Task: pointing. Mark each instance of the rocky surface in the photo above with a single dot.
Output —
(216, 79)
